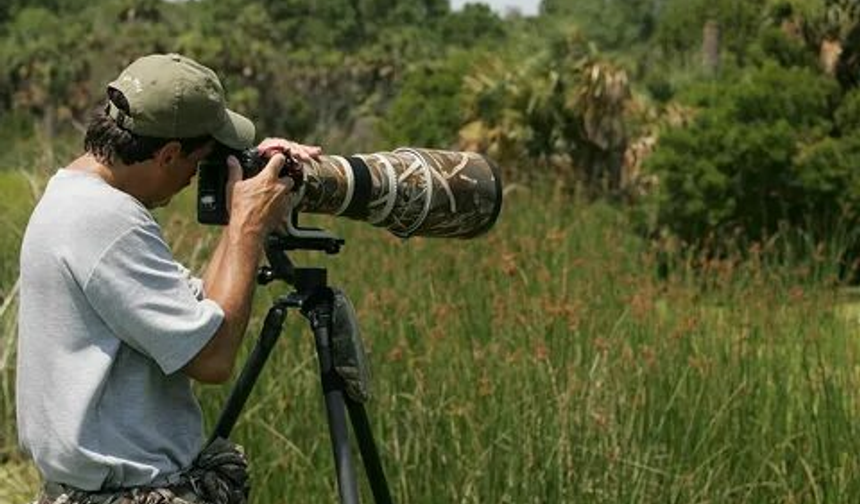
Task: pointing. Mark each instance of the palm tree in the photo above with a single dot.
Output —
(830, 28)
(562, 108)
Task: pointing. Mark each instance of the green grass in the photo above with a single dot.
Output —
(18, 192)
(561, 359)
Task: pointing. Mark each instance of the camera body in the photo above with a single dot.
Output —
(213, 175)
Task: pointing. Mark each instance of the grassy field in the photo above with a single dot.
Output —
(559, 359)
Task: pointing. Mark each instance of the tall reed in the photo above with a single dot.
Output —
(563, 359)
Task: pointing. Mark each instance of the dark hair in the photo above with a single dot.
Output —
(109, 142)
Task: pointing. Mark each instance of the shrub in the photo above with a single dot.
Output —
(757, 156)
(848, 113)
(426, 112)
(773, 43)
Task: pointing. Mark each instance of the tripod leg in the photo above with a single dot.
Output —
(334, 400)
(272, 327)
(344, 467)
(369, 454)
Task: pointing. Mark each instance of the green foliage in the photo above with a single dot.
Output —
(348, 25)
(758, 145)
(672, 26)
(304, 69)
(474, 25)
(828, 182)
(547, 362)
(33, 56)
(427, 110)
(10, 8)
(680, 25)
(38, 76)
(848, 114)
(17, 198)
(773, 44)
(620, 385)
(611, 24)
(558, 106)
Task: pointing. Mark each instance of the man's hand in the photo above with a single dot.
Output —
(257, 205)
(298, 151)
(262, 200)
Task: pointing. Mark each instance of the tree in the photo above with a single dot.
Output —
(612, 24)
(475, 24)
(680, 24)
(758, 155)
(829, 28)
(9, 8)
(426, 111)
(563, 107)
(38, 77)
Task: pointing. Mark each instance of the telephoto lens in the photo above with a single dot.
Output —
(409, 192)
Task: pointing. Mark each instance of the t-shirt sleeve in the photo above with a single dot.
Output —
(145, 297)
(194, 283)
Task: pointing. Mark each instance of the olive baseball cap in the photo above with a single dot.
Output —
(171, 96)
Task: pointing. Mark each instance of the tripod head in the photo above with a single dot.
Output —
(295, 237)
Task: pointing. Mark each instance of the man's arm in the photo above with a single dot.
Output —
(230, 282)
(256, 205)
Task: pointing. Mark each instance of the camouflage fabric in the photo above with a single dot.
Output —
(414, 192)
(219, 475)
(350, 359)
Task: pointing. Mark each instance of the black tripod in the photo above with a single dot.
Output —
(314, 299)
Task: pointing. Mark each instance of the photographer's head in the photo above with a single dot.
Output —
(164, 113)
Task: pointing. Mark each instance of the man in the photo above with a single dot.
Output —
(111, 327)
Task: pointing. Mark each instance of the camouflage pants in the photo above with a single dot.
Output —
(219, 475)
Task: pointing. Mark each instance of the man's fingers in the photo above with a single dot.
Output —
(273, 167)
(299, 151)
(234, 170)
(305, 152)
(273, 143)
(234, 174)
(308, 152)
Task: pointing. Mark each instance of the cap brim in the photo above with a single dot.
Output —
(237, 132)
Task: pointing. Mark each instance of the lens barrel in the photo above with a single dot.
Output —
(410, 191)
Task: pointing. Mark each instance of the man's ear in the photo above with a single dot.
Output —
(168, 154)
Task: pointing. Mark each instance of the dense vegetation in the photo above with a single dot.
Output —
(748, 104)
(551, 363)
(653, 320)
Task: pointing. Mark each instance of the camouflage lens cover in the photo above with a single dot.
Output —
(410, 192)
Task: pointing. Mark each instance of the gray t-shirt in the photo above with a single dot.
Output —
(107, 320)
